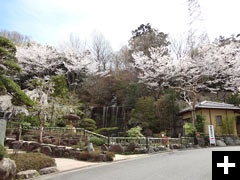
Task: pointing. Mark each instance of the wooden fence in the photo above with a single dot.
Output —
(124, 141)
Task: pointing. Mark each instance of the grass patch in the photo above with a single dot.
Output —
(28, 161)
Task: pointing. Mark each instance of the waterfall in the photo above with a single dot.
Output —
(104, 109)
(107, 117)
(116, 120)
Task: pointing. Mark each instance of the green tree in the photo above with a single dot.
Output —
(167, 109)
(145, 37)
(144, 113)
(60, 86)
(233, 99)
(88, 124)
(8, 70)
(132, 94)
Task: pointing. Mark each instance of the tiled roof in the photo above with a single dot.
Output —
(211, 105)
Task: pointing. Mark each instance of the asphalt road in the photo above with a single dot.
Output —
(180, 165)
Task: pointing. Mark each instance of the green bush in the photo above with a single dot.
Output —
(110, 156)
(135, 132)
(188, 127)
(28, 161)
(97, 141)
(3, 152)
(200, 122)
(107, 131)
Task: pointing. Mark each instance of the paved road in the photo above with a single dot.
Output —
(180, 165)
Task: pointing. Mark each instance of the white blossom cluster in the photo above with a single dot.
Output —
(43, 58)
(214, 67)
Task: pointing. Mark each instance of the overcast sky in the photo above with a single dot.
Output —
(51, 21)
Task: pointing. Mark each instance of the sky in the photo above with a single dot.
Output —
(52, 21)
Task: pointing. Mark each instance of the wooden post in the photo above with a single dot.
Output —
(147, 145)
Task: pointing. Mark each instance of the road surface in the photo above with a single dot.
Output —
(180, 165)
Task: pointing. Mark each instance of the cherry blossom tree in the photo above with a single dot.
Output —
(42, 60)
(214, 68)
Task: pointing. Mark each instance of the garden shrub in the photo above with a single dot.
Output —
(188, 127)
(107, 131)
(110, 156)
(135, 132)
(97, 141)
(200, 122)
(3, 152)
(28, 161)
(84, 156)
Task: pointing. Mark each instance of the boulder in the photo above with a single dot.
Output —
(143, 150)
(58, 151)
(7, 169)
(27, 174)
(47, 140)
(25, 146)
(46, 150)
(131, 147)
(90, 148)
(33, 145)
(220, 143)
(48, 170)
(150, 150)
(104, 148)
(37, 150)
(17, 144)
(102, 157)
(237, 142)
(229, 141)
(116, 148)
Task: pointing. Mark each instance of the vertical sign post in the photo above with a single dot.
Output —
(211, 135)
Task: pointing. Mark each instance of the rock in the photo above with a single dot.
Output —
(143, 150)
(131, 147)
(104, 148)
(36, 150)
(27, 174)
(237, 142)
(46, 150)
(116, 148)
(25, 146)
(9, 141)
(229, 141)
(48, 170)
(47, 141)
(182, 146)
(59, 151)
(162, 148)
(90, 148)
(7, 169)
(33, 145)
(220, 143)
(102, 157)
(17, 144)
(150, 150)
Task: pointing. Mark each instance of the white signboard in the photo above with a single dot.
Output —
(211, 134)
